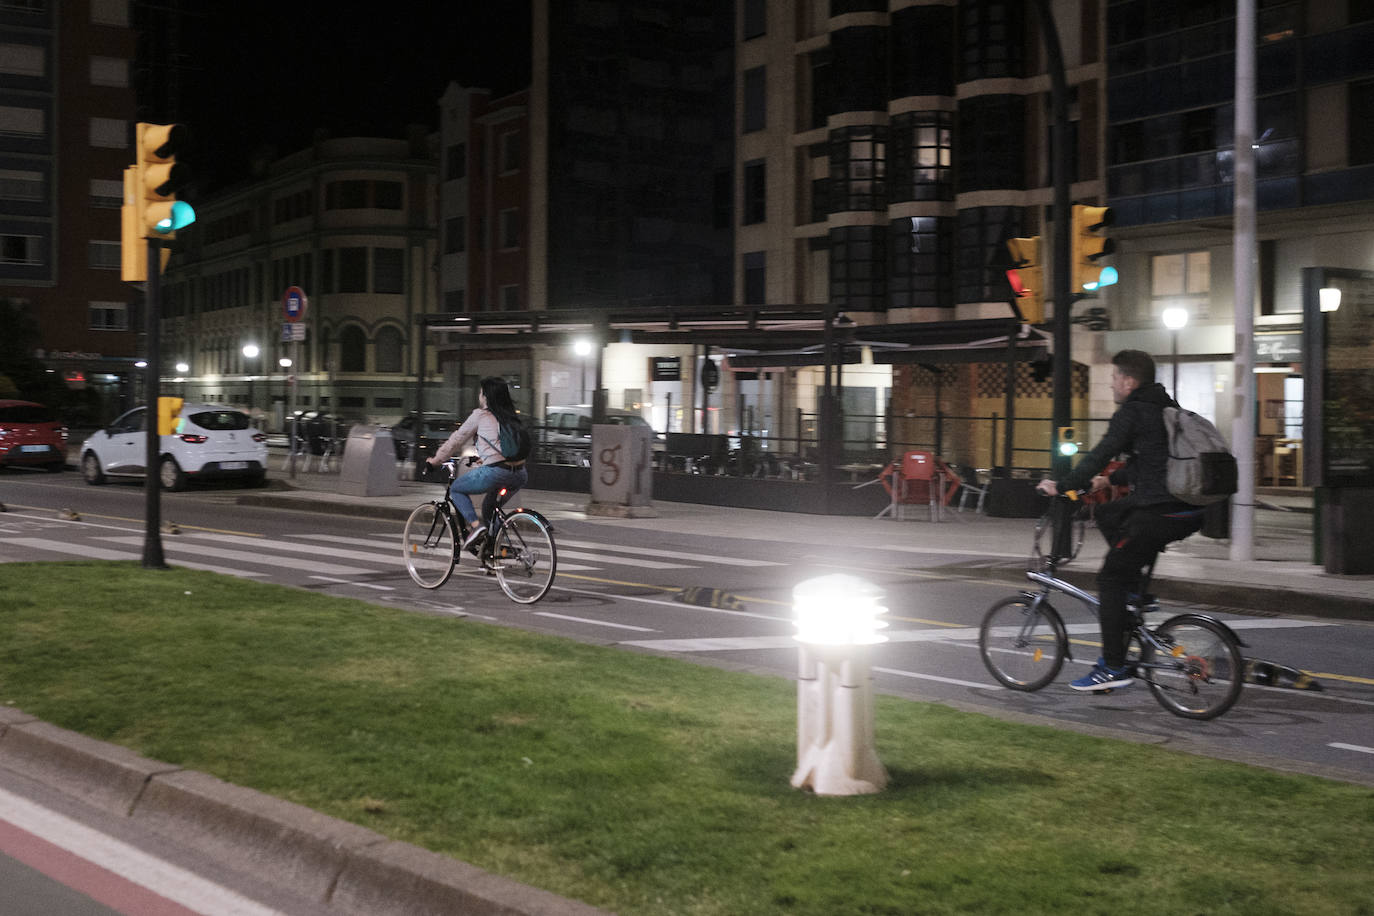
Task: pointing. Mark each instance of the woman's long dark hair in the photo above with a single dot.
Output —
(498, 400)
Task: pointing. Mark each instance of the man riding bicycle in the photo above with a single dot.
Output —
(1138, 526)
(495, 410)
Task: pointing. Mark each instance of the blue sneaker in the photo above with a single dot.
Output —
(1104, 678)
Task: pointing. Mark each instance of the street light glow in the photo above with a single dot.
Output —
(284, 362)
(250, 350)
(183, 368)
(1175, 317)
(582, 347)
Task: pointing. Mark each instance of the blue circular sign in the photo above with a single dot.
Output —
(294, 303)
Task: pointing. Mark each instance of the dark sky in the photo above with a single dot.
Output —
(275, 72)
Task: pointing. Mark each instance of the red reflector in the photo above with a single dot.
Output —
(192, 438)
(259, 437)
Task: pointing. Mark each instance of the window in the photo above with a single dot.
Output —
(456, 162)
(110, 12)
(352, 270)
(109, 316)
(352, 349)
(755, 100)
(22, 60)
(104, 255)
(920, 263)
(755, 277)
(345, 195)
(981, 252)
(857, 258)
(22, 184)
(455, 300)
(510, 298)
(755, 18)
(387, 195)
(109, 133)
(109, 71)
(858, 168)
(755, 192)
(389, 350)
(23, 122)
(510, 151)
(922, 156)
(510, 228)
(388, 270)
(107, 193)
(455, 238)
(1181, 279)
(1360, 122)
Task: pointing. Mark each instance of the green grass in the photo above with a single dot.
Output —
(648, 785)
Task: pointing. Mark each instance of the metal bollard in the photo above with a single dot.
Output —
(837, 623)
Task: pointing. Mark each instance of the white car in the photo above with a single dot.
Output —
(211, 441)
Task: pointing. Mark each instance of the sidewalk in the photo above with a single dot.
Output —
(1282, 575)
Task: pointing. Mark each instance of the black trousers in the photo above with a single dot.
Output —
(1135, 536)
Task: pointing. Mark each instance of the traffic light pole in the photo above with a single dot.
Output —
(152, 513)
(1062, 289)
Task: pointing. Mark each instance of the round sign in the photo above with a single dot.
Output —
(293, 303)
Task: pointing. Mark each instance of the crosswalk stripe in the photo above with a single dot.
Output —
(377, 540)
(669, 554)
(389, 558)
(295, 563)
(618, 561)
(87, 552)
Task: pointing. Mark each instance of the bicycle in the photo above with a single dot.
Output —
(518, 548)
(1191, 662)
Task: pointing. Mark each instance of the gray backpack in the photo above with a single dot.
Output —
(1201, 468)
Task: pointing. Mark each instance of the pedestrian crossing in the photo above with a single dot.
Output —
(315, 556)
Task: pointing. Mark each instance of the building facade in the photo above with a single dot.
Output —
(349, 221)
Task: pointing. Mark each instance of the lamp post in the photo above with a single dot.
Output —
(1175, 317)
(250, 351)
(583, 348)
(285, 364)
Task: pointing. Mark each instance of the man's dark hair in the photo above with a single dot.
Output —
(1137, 364)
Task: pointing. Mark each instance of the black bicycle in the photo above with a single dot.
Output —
(1191, 662)
(518, 548)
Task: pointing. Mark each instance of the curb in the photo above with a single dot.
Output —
(347, 868)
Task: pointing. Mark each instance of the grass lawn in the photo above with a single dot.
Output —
(648, 785)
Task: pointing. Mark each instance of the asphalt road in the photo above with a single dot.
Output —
(653, 589)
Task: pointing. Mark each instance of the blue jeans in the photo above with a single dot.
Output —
(488, 479)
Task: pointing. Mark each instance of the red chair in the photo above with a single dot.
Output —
(920, 479)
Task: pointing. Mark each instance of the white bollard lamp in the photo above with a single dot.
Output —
(837, 621)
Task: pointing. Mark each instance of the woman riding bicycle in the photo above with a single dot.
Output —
(483, 427)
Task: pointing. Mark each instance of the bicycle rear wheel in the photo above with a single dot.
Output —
(1199, 673)
(524, 558)
(1022, 646)
(429, 546)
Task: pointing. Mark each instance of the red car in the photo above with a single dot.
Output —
(31, 434)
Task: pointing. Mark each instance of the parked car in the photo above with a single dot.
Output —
(438, 425)
(31, 435)
(210, 441)
(567, 431)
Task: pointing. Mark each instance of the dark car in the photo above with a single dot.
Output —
(437, 427)
(31, 435)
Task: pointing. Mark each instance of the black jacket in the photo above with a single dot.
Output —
(1137, 431)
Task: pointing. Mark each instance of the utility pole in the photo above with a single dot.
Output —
(1243, 411)
(152, 477)
(1063, 296)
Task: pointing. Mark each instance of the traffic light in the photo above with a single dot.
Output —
(1089, 248)
(1027, 278)
(1067, 442)
(151, 209)
(168, 411)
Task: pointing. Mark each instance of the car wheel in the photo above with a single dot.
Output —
(173, 478)
(90, 469)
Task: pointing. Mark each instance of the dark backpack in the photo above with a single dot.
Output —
(515, 442)
(1201, 468)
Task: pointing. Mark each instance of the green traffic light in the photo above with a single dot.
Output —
(1068, 448)
(183, 215)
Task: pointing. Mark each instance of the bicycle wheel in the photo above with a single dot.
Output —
(524, 558)
(429, 546)
(1023, 647)
(1196, 671)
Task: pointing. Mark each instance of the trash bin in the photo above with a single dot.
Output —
(369, 463)
(622, 471)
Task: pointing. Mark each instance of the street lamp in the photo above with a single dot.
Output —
(583, 348)
(250, 351)
(1175, 317)
(1329, 298)
(182, 369)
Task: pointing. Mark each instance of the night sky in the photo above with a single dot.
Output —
(275, 72)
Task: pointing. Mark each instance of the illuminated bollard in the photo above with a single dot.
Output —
(837, 623)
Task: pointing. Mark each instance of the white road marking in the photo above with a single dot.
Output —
(668, 554)
(163, 878)
(599, 623)
(391, 558)
(1341, 746)
(617, 561)
(380, 588)
(295, 563)
(87, 552)
(942, 680)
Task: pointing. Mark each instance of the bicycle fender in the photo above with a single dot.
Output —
(535, 512)
(1191, 618)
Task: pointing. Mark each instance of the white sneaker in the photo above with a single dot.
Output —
(474, 537)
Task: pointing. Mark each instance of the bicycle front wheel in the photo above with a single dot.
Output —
(524, 558)
(1023, 646)
(1196, 670)
(429, 546)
